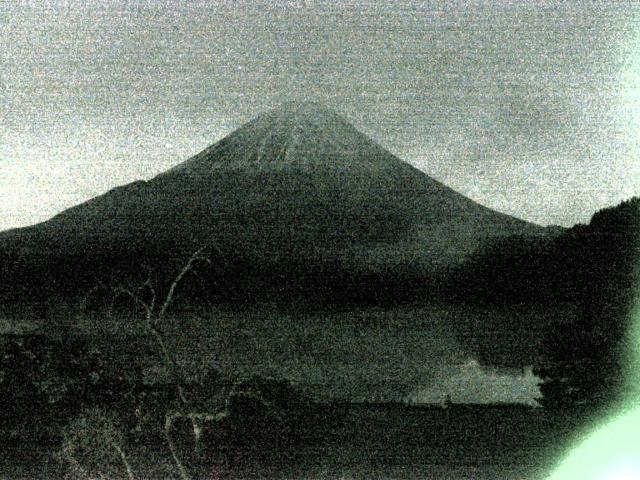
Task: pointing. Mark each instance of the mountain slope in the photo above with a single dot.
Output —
(295, 193)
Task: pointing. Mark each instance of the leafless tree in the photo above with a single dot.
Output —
(155, 311)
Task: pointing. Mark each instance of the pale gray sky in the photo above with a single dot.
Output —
(531, 108)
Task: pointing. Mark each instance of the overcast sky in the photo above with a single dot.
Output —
(531, 108)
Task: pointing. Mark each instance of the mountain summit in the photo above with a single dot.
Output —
(293, 199)
(297, 133)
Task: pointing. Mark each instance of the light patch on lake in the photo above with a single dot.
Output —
(471, 382)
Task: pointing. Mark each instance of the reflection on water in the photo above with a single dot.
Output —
(474, 383)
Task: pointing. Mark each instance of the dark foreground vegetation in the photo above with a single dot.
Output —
(74, 407)
(270, 430)
(80, 407)
(86, 413)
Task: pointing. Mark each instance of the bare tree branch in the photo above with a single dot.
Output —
(197, 256)
(182, 470)
(120, 291)
(153, 319)
(124, 460)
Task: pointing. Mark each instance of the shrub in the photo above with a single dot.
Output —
(93, 446)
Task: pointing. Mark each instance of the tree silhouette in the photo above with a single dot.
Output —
(154, 314)
(585, 359)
